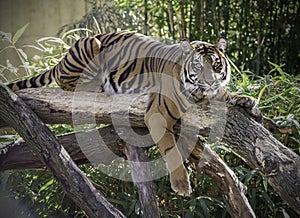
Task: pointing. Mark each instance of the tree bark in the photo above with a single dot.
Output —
(233, 191)
(142, 181)
(248, 139)
(41, 140)
(262, 152)
(18, 155)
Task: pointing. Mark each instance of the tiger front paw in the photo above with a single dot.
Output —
(254, 111)
(180, 182)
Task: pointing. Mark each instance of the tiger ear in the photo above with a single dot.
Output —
(222, 44)
(186, 48)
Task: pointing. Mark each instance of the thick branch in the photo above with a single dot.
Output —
(258, 148)
(41, 140)
(233, 191)
(18, 155)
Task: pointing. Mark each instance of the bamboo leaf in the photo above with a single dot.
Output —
(278, 68)
(33, 46)
(19, 33)
(47, 185)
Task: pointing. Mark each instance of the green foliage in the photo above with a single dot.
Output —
(12, 40)
(51, 50)
(278, 93)
(38, 194)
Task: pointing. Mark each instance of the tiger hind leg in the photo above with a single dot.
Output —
(80, 66)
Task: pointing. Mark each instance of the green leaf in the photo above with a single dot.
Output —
(268, 199)
(249, 176)
(75, 30)
(278, 68)
(23, 55)
(253, 198)
(6, 138)
(204, 208)
(19, 33)
(44, 187)
(192, 207)
(265, 183)
(120, 202)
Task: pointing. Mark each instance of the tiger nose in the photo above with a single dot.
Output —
(210, 82)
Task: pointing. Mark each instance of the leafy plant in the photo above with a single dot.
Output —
(12, 40)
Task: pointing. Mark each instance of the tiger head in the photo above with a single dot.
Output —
(205, 69)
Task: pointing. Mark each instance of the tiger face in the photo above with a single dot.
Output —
(205, 69)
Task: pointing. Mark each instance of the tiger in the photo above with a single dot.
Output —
(174, 76)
